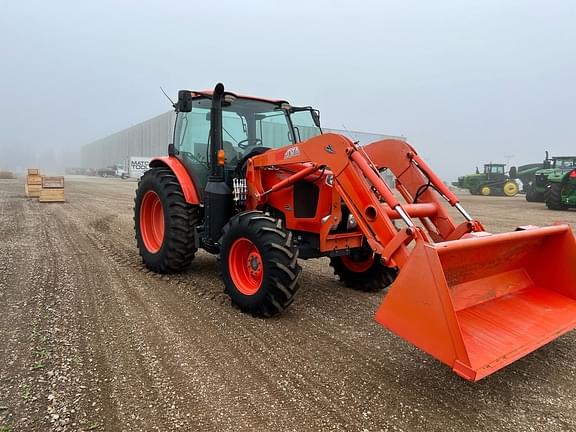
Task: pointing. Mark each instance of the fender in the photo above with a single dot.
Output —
(177, 167)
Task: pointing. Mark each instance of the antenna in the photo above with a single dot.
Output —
(508, 158)
(168, 97)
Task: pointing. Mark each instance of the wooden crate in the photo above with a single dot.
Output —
(33, 184)
(52, 189)
(34, 179)
(53, 182)
(33, 190)
(51, 195)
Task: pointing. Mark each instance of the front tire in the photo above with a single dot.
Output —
(363, 272)
(164, 222)
(259, 264)
(554, 197)
(485, 191)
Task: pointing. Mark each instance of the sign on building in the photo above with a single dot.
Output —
(138, 166)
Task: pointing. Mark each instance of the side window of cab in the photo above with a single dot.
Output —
(192, 133)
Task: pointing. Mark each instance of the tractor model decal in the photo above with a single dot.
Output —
(291, 152)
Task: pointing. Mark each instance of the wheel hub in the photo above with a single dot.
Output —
(254, 263)
(152, 221)
(357, 264)
(245, 265)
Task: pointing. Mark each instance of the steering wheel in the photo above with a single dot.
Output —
(245, 143)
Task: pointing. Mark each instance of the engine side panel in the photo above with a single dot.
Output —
(303, 204)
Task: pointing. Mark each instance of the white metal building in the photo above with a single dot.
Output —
(151, 138)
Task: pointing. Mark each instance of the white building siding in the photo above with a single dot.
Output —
(151, 138)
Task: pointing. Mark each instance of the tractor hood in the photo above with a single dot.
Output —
(552, 174)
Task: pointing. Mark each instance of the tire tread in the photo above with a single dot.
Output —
(178, 248)
(277, 250)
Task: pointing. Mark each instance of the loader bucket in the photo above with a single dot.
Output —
(479, 304)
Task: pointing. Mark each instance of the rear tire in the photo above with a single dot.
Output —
(554, 197)
(366, 274)
(168, 247)
(510, 188)
(259, 264)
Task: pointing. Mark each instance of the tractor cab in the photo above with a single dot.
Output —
(248, 126)
(494, 171)
(563, 163)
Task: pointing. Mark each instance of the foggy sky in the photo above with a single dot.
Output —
(467, 82)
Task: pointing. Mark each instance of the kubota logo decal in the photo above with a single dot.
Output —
(292, 152)
(329, 149)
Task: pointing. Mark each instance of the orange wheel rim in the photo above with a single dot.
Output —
(152, 221)
(246, 267)
(357, 266)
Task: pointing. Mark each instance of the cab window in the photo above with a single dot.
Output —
(272, 129)
(304, 126)
(192, 133)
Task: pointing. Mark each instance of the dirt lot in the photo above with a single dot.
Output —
(92, 341)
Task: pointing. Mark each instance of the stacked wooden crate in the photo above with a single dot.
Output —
(52, 189)
(33, 182)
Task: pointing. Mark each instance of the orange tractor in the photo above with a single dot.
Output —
(256, 182)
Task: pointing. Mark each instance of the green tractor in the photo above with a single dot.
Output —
(493, 181)
(561, 190)
(553, 169)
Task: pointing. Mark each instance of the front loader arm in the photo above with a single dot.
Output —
(473, 300)
(357, 180)
(416, 182)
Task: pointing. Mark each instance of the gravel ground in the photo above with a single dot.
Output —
(91, 341)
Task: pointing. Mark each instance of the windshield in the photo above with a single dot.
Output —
(246, 125)
(564, 163)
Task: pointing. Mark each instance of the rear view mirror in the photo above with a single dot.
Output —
(184, 103)
(316, 117)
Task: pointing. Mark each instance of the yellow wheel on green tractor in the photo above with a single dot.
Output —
(510, 188)
(485, 190)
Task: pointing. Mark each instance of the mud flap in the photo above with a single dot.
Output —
(479, 304)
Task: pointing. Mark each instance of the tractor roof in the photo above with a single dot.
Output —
(563, 157)
(208, 93)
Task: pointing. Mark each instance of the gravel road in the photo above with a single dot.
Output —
(92, 341)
